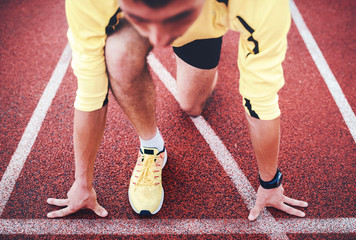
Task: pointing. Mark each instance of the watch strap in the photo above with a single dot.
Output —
(274, 183)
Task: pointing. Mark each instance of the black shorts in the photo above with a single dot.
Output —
(203, 54)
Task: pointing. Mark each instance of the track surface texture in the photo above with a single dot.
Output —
(211, 176)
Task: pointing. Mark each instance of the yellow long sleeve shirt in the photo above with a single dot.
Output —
(263, 27)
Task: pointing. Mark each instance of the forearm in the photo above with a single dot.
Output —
(265, 137)
(88, 132)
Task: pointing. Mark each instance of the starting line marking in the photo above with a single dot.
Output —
(170, 226)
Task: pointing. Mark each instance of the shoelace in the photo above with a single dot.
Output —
(146, 168)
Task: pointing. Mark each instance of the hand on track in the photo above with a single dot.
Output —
(78, 198)
(275, 198)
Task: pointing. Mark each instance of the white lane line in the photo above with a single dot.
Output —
(24, 147)
(325, 71)
(222, 154)
(125, 227)
(169, 226)
(329, 225)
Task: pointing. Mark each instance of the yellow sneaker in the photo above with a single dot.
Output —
(146, 192)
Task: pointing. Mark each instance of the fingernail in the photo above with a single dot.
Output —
(105, 213)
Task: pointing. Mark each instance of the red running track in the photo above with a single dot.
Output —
(317, 151)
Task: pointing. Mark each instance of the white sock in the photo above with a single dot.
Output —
(155, 142)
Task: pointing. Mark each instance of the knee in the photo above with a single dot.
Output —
(125, 55)
(123, 58)
(192, 109)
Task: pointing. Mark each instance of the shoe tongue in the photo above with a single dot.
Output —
(148, 151)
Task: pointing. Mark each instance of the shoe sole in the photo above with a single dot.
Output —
(147, 212)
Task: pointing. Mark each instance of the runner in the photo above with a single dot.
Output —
(110, 42)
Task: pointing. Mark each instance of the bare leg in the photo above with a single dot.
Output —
(194, 86)
(126, 53)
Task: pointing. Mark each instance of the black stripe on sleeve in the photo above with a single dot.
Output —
(249, 108)
(226, 2)
(251, 39)
(110, 28)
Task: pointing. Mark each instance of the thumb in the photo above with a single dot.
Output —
(254, 213)
(100, 211)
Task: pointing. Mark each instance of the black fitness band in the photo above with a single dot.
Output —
(274, 183)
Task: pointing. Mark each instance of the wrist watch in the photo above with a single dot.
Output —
(274, 183)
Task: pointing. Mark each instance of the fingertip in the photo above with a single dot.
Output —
(49, 200)
(100, 211)
(254, 213)
(252, 216)
(104, 213)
